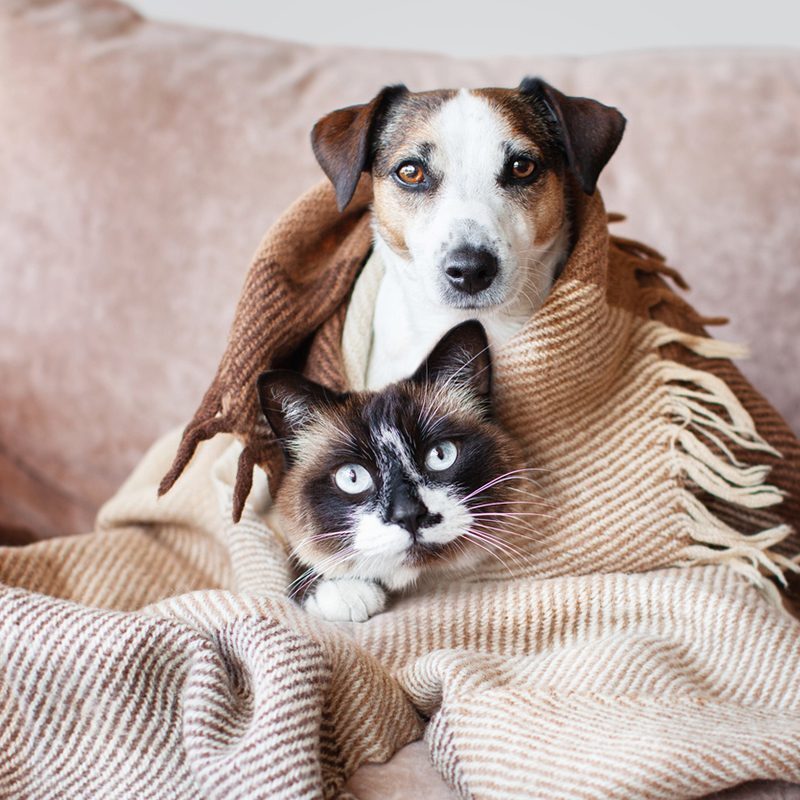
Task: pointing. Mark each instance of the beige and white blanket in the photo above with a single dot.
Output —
(666, 684)
(160, 658)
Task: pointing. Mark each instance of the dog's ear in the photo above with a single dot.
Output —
(590, 131)
(460, 358)
(289, 402)
(342, 141)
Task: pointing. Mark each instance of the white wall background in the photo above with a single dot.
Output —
(496, 27)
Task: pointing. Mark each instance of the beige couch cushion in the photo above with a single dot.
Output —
(141, 163)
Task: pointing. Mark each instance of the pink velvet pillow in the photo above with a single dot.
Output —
(141, 163)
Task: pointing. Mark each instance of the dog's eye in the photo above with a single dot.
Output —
(411, 173)
(522, 168)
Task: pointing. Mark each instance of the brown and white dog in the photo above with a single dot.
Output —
(471, 203)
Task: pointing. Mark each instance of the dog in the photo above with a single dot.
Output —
(472, 191)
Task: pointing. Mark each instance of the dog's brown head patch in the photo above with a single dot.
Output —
(471, 188)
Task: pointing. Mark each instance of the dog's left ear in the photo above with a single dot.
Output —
(590, 130)
(342, 141)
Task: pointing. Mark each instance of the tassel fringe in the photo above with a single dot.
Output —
(702, 408)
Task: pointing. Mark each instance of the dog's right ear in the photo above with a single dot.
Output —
(342, 141)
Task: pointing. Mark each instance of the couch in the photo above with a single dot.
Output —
(141, 162)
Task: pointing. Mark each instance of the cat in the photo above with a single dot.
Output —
(383, 488)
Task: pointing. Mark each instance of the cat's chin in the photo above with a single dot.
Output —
(430, 571)
(421, 555)
(401, 570)
(396, 579)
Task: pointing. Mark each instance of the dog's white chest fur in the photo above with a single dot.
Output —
(407, 325)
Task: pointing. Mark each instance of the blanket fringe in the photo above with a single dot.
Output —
(702, 345)
(702, 409)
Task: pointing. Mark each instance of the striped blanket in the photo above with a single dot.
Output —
(639, 650)
(666, 684)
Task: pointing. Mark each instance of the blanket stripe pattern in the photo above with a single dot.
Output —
(634, 647)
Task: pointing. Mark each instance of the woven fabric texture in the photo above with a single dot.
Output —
(159, 656)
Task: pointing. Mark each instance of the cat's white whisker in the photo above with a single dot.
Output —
(511, 529)
(507, 513)
(507, 476)
(503, 503)
(503, 544)
(328, 535)
(516, 557)
(527, 493)
(508, 528)
(495, 542)
(476, 540)
(314, 537)
(513, 514)
(530, 535)
(303, 581)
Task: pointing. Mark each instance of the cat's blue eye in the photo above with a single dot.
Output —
(441, 456)
(353, 479)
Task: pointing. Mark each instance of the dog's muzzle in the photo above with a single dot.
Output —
(471, 269)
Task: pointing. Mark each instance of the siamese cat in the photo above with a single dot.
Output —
(384, 488)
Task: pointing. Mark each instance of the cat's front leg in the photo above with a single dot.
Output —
(345, 600)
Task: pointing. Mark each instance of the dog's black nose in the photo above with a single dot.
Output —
(471, 269)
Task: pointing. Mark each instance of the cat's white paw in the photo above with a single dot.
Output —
(346, 600)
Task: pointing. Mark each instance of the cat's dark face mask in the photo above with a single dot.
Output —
(383, 484)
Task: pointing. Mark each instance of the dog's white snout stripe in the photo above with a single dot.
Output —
(418, 302)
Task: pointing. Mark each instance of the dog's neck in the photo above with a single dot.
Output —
(406, 324)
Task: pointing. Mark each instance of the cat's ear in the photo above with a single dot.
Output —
(290, 401)
(461, 358)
